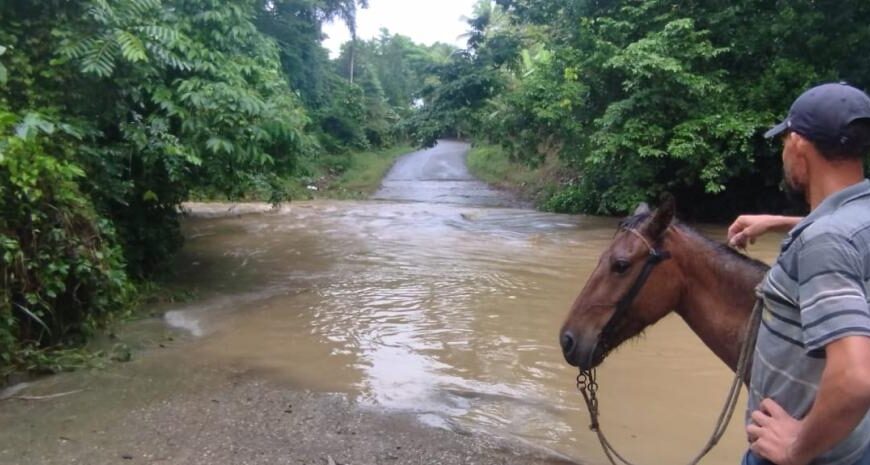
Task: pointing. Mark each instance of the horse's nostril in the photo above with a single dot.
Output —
(568, 343)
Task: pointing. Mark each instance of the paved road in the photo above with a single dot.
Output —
(440, 175)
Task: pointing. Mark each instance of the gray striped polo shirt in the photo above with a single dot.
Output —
(815, 294)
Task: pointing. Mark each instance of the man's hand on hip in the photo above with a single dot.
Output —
(773, 433)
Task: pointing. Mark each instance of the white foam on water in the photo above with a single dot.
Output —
(182, 320)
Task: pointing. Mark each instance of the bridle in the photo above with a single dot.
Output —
(587, 382)
(656, 256)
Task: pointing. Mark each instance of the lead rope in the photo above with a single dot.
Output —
(588, 386)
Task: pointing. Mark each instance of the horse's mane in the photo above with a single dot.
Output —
(722, 251)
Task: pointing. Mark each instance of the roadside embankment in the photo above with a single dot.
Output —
(491, 164)
(348, 176)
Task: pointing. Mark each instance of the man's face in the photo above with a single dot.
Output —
(794, 164)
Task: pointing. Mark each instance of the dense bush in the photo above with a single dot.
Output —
(113, 111)
(640, 97)
(62, 270)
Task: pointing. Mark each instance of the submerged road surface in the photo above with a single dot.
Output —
(416, 329)
(440, 175)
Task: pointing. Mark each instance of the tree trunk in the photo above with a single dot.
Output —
(352, 57)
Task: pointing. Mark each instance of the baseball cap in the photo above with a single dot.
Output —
(823, 113)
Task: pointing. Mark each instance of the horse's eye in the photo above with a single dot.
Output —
(620, 266)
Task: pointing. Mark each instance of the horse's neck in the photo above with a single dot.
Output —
(718, 296)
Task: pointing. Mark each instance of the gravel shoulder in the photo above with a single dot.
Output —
(145, 413)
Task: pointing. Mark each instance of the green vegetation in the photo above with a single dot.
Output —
(634, 98)
(113, 112)
(493, 165)
(365, 173)
(353, 176)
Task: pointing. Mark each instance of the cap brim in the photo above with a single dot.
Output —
(776, 130)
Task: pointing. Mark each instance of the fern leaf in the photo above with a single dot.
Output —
(217, 145)
(75, 49)
(100, 59)
(132, 48)
(102, 12)
(138, 7)
(162, 34)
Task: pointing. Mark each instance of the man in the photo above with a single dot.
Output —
(810, 390)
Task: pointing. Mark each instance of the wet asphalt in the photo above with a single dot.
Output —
(440, 175)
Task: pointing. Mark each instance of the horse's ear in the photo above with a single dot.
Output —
(642, 209)
(662, 218)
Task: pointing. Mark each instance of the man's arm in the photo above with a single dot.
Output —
(841, 403)
(747, 228)
(834, 318)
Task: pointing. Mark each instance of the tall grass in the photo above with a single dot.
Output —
(492, 164)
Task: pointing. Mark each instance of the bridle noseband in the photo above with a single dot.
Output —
(656, 256)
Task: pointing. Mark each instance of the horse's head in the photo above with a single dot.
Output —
(618, 301)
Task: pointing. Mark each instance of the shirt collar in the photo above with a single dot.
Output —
(828, 206)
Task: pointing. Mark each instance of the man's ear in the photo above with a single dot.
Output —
(806, 149)
(662, 218)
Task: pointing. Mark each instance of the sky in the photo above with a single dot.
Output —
(424, 21)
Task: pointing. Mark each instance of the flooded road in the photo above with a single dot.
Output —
(439, 175)
(450, 312)
(441, 308)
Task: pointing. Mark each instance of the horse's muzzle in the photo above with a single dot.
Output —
(582, 352)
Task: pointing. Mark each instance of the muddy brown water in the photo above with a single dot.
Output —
(450, 312)
(444, 310)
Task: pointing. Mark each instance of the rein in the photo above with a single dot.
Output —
(587, 382)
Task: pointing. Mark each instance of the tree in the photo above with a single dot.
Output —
(636, 98)
(112, 112)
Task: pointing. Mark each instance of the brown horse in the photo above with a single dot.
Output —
(709, 285)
